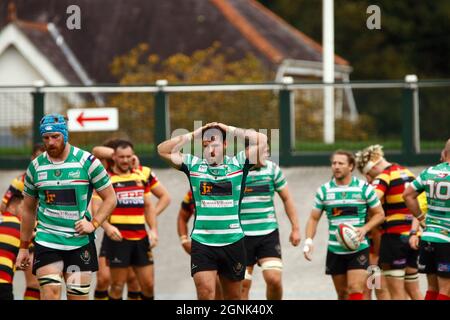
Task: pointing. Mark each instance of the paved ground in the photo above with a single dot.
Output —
(301, 279)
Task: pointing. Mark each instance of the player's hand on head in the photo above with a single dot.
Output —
(84, 227)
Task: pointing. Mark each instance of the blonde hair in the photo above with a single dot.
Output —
(369, 157)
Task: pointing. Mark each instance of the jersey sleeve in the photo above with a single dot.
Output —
(381, 182)
(371, 197)
(29, 186)
(419, 183)
(279, 178)
(97, 174)
(152, 180)
(319, 200)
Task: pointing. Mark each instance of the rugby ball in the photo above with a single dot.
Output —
(347, 236)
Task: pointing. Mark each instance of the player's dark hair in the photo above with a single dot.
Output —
(350, 157)
(122, 144)
(224, 134)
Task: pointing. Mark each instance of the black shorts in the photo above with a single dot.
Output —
(103, 246)
(83, 258)
(266, 246)
(396, 253)
(341, 263)
(229, 261)
(125, 253)
(434, 258)
(6, 291)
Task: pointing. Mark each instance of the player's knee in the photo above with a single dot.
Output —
(79, 290)
(117, 287)
(102, 282)
(50, 286)
(205, 292)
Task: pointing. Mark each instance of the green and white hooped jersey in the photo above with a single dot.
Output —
(64, 190)
(435, 181)
(345, 204)
(217, 192)
(258, 216)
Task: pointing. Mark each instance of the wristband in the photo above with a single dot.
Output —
(420, 217)
(95, 223)
(24, 244)
(184, 239)
(308, 242)
(413, 233)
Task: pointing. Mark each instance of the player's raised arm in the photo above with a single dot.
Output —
(170, 149)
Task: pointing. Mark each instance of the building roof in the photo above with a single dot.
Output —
(113, 27)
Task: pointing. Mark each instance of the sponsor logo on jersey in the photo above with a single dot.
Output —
(75, 174)
(216, 188)
(442, 175)
(42, 175)
(217, 203)
(331, 196)
(69, 215)
(65, 197)
(344, 211)
(234, 226)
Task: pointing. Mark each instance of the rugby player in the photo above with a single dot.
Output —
(259, 222)
(127, 242)
(217, 182)
(397, 259)
(15, 188)
(105, 153)
(57, 191)
(434, 254)
(345, 199)
(187, 210)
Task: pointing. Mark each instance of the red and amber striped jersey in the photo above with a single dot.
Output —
(128, 216)
(9, 246)
(188, 203)
(152, 180)
(15, 188)
(391, 183)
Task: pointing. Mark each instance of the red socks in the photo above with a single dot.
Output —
(431, 295)
(442, 297)
(356, 296)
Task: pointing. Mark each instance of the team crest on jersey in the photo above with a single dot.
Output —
(57, 172)
(85, 256)
(202, 168)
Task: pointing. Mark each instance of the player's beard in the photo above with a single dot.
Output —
(56, 150)
(123, 168)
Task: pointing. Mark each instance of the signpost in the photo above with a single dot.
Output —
(98, 119)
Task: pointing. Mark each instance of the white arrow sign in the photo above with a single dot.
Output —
(98, 119)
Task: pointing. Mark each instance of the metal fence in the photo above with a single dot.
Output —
(410, 119)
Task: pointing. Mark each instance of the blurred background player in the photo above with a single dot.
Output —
(187, 210)
(105, 153)
(345, 199)
(259, 222)
(9, 243)
(127, 241)
(217, 182)
(15, 188)
(434, 257)
(397, 259)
